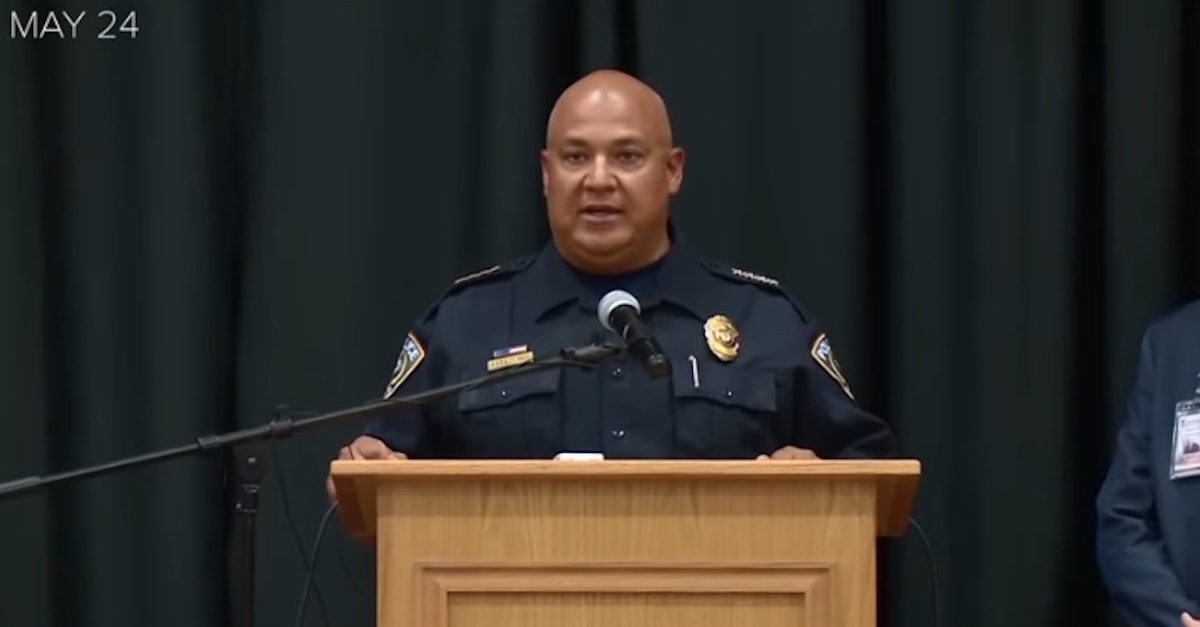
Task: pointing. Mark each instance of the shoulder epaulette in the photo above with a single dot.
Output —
(475, 278)
(739, 275)
(729, 272)
(494, 272)
(754, 278)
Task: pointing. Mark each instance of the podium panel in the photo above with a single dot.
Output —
(697, 544)
(615, 594)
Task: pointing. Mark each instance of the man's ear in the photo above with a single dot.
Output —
(675, 169)
(545, 160)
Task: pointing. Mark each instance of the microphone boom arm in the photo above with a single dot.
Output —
(583, 356)
(247, 471)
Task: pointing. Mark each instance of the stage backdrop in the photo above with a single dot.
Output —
(247, 204)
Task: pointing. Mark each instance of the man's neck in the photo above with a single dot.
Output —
(618, 266)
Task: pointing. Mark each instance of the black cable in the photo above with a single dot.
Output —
(937, 603)
(308, 579)
(351, 579)
(282, 412)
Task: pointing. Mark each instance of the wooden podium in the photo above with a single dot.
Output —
(626, 543)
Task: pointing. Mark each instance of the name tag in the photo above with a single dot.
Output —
(1185, 442)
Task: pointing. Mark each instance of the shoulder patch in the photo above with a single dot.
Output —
(822, 352)
(412, 353)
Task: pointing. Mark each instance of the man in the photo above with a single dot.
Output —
(752, 374)
(1148, 528)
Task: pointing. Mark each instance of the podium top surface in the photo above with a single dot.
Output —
(358, 480)
(627, 469)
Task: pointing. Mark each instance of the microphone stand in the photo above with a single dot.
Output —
(249, 470)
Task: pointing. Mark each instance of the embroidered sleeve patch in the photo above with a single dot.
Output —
(411, 356)
(822, 353)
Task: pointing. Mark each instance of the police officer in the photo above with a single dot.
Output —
(753, 375)
(1148, 528)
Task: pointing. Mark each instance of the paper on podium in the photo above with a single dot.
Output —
(579, 457)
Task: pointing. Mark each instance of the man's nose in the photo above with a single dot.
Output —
(599, 175)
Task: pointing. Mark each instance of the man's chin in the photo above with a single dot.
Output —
(603, 242)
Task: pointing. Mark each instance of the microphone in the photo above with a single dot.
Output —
(620, 313)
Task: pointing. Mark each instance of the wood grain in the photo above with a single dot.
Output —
(500, 543)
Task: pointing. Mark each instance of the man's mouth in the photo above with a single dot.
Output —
(600, 214)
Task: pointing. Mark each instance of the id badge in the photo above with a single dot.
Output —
(1185, 442)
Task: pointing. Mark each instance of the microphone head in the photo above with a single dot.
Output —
(610, 302)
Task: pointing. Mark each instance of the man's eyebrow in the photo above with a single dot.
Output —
(621, 140)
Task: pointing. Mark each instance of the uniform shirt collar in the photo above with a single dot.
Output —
(677, 279)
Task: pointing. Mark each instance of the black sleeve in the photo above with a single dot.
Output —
(404, 428)
(827, 418)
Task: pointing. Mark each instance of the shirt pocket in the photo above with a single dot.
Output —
(724, 412)
(517, 418)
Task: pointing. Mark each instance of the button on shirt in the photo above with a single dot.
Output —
(783, 386)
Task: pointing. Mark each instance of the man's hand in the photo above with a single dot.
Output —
(1186, 620)
(789, 453)
(364, 447)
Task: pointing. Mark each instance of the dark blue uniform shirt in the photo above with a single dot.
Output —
(782, 387)
(1148, 530)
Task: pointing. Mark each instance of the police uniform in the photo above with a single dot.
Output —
(751, 370)
(1148, 527)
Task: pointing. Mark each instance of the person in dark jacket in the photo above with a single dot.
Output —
(1148, 527)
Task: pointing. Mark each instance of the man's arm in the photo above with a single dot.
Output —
(403, 429)
(401, 432)
(1131, 555)
(827, 417)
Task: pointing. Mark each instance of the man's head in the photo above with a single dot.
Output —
(609, 169)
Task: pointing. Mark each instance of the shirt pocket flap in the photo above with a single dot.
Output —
(734, 387)
(509, 391)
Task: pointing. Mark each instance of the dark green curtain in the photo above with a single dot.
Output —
(246, 206)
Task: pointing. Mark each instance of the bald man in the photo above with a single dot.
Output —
(752, 373)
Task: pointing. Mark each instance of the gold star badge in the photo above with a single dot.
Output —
(722, 337)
